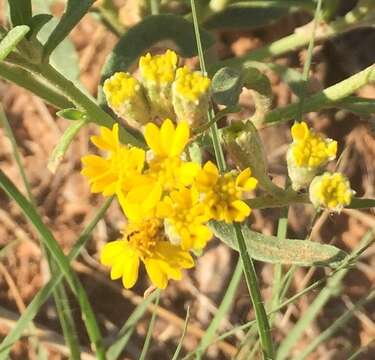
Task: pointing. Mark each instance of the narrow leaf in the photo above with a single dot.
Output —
(20, 12)
(11, 39)
(75, 10)
(63, 144)
(358, 203)
(358, 105)
(280, 251)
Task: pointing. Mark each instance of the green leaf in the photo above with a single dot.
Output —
(30, 82)
(20, 12)
(236, 18)
(63, 144)
(358, 203)
(71, 114)
(64, 57)
(358, 105)
(123, 337)
(38, 21)
(11, 40)
(74, 11)
(280, 251)
(226, 86)
(149, 31)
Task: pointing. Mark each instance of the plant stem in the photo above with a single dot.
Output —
(325, 98)
(301, 37)
(248, 266)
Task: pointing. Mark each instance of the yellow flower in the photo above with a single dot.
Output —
(331, 191)
(307, 154)
(310, 149)
(159, 68)
(158, 74)
(191, 96)
(224, 193)
(126, 98)
(167, 145)
(146, 242)
(118, 170)
(185, 217)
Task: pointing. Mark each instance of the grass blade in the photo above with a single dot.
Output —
(20, 12)
(51, 244)
(147, 342)
(222, 310)
(329, 290)
(179, 346)
(114, 351)
(41, 297)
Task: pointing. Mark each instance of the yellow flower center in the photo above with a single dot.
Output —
(120, 88)
(191, 85)
(159, 68)
(333, 190)
(144, 236)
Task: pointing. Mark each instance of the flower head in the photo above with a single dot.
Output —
(307, 154)
(167, 145)
(310, 149)
(158, 74)
(159, 68)
(331, 191)
(224, 193)
(185, 218)
(191, 96)
(125, 96)
(145, 242)
(119, 169)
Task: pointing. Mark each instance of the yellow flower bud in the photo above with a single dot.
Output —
(125, 97)
(191, 96)
(331, 191)
(158, 74)
(308, 153)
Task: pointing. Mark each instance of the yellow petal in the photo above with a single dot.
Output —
(152, 137)
(180, 139)
(167, 134)
(243, 176)
(130, 275)
(188, 172)
(110, 251)
(117, 268)
(299, 131)
(155, 273)
(242, 210)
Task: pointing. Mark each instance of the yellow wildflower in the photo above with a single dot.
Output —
(146, 242)
(310, 149)
(118, 170)
(331, 191)
(167, 145)
(185, 217)
(191, 96)
(126, 98)
(158, 74)
(307, 154)
(224, 193)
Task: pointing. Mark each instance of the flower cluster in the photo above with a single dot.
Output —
(307, 155)
(167, 200)
(163, 91)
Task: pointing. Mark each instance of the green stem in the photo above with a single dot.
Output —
(248, 266)
(325, 98)
(354, 19)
